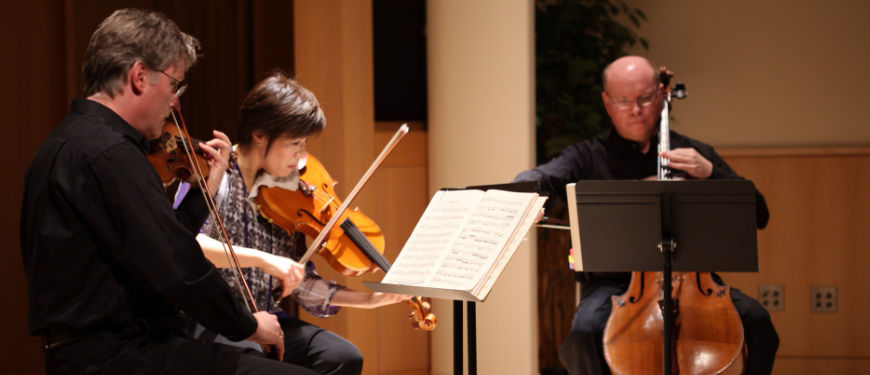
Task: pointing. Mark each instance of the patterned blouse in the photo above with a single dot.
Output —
(247, 228)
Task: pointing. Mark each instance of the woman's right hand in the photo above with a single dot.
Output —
(286, 270)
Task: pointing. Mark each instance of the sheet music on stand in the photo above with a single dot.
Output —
(463, 242)
(459, 248)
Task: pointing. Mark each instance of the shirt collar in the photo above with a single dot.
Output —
(86, 106)
(622, 144)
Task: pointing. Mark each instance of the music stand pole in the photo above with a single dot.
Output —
(667, 248)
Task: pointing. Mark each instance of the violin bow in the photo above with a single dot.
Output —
(241, 282)
(316, 244)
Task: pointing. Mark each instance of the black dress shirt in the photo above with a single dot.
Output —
(101, 244)
(612, 157)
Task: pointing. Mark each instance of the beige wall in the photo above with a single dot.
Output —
(766, 73)
(481, 122)
(333, 56)
(817, 236)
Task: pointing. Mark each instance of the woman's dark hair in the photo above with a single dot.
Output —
(277, 106)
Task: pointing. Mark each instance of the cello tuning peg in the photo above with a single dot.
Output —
(679, 91)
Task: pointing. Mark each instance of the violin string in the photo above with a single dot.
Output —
(188, 148)
(212, 213)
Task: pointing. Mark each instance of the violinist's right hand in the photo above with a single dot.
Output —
(288, 271)
(269, 333)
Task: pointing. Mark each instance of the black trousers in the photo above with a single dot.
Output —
(306, 345)
(319, 349)
(113, 353)
(582, 351)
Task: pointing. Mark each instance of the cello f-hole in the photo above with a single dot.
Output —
(635, 299)
(706, 292)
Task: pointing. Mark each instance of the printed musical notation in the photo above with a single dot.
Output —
(462, 236)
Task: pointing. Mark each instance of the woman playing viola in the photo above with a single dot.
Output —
(275, 121)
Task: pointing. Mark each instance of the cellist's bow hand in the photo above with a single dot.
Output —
(269, 333)
(289, 272)
(218, 150)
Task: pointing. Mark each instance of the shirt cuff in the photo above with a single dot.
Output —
(242, 329)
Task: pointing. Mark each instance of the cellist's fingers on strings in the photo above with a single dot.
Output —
(690, 161)
(269, 333)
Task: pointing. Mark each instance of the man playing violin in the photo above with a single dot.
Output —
(633, 98)
(275, 121)
(109, 263)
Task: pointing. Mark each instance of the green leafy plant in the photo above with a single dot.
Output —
(574, 41)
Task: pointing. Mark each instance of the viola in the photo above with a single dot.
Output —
(353, 249)
(707, 331)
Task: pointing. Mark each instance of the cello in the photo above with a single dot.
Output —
(707, 331)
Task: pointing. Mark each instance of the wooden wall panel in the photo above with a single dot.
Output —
(46, 42)
(401, 192)
(32, 101)
(820, 212)
(333, 58)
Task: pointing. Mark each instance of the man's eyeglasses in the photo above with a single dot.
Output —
(175, 82)
(642, 101)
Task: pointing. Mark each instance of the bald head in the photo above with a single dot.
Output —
(629, 69)
(631, 97)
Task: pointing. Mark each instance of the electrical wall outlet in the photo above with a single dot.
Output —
(772, 296)
(824, 299)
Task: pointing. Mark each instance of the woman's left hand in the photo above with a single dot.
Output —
(379, 299)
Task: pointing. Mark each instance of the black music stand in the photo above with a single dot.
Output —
(458, 297)
(695, 225)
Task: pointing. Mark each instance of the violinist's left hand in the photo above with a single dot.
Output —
(689, 160)
(366, 300)
(218, 150)
(379, 299)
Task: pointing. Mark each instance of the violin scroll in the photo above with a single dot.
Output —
(420, 316)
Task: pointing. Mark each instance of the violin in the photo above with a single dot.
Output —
(187, 163)
(170, 160)
(708, 334)
(353, 248)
